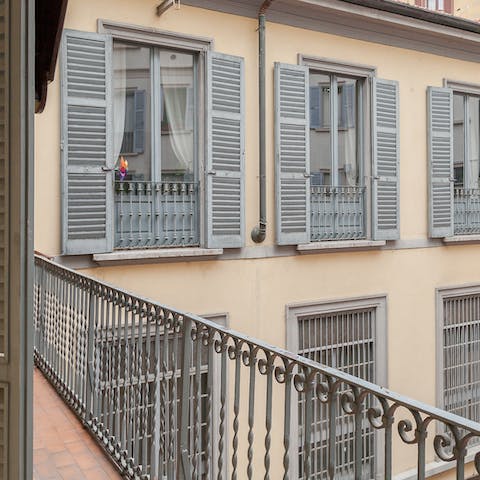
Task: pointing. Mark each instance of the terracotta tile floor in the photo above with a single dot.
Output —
(62, 448)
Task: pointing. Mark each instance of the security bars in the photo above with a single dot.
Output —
(344, 340)
(461, 356)
(142, 379)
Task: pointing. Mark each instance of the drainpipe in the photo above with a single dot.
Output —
(259, 232)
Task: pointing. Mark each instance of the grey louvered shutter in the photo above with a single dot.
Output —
(386, 155)
(440, 161)
(292, 154)
(225, 152)
(87, 143)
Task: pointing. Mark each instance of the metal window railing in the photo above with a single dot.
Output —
(466, 211)
(156, 214)
(171, 395)
(337, 213)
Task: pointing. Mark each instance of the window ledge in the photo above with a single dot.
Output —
(157, 254)
(457, 239)
(329, 246)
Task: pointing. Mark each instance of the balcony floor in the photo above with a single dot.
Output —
(62, 448)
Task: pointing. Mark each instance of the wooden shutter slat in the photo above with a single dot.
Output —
(226, 151)
(386, 155)
(292, 154)
(440, 158)
(86, 143)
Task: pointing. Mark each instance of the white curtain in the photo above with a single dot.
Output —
(474, 147)
(350, 134)
(119, 100)
(176, 103)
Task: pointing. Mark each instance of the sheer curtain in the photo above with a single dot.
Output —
(348, 131)
(180, 139)
(177, 78)
(119, 99)
(474, 147)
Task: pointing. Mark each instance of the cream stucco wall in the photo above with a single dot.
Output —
(255, 291)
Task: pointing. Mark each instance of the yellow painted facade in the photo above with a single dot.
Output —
(255, 291)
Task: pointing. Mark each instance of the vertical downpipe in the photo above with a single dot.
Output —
(259, 232)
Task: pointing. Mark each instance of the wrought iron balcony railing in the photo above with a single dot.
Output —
(337, 213)
(156, 214)
(466, 211)
(171, 395)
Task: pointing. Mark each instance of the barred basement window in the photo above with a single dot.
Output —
(348, 336)
(460, 372)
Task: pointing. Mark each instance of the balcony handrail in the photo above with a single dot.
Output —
(279, 364)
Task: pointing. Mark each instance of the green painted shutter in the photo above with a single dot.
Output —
(386, 156)
(292, 154)
(87, 161)
(440, 162)
(225, 152)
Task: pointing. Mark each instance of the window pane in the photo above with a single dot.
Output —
(131, 109)
(320, 131)
(458, 139)
(178, 121)
(473, 141)
(348, 167)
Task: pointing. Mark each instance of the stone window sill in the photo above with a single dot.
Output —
(459, 239)
(340, 245)
(155, 255)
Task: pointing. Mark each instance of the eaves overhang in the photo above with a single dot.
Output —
(380, 21)
(49, 19)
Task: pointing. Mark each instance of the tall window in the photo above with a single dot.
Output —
(466, 140)
(154, 112)
(154, 93)
(466, 163)
(336, 157)
(335, 130)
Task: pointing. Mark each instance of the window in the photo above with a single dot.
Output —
(466, 162)
(338, 195)
(454, 160)
(152, 142)
(348, 336)
(437, 5)
(157, 201)
(330, 185)
(459, 343)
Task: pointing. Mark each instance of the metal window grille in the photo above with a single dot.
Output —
(344, 340)
(461, 356)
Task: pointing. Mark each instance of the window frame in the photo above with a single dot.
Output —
(466, 134)
(441, 294)
(199, 46)
(295, 310)
(365, 118)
